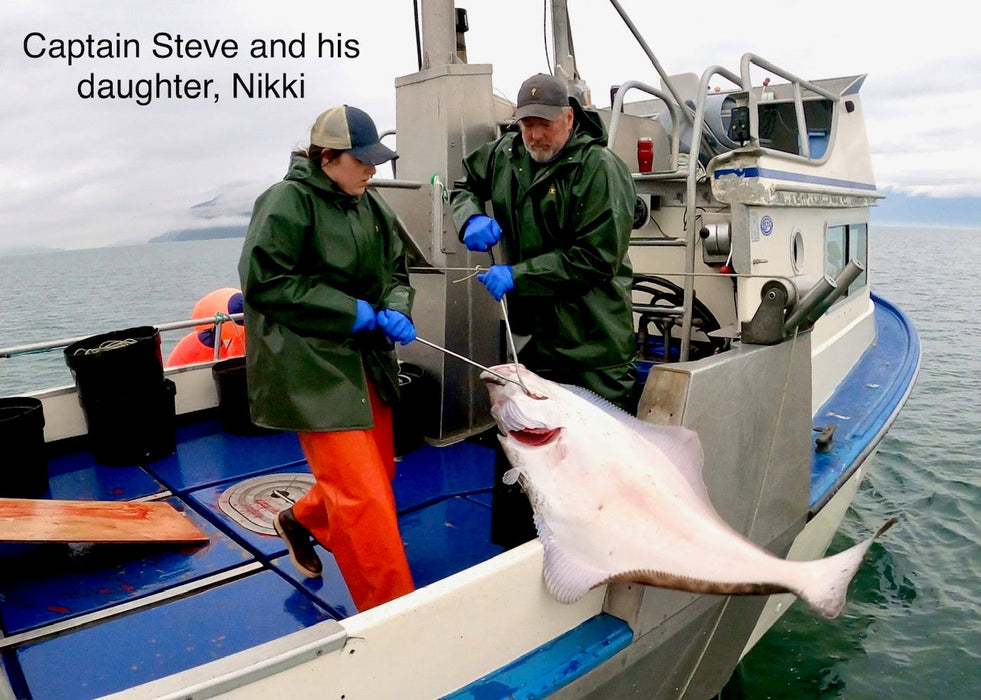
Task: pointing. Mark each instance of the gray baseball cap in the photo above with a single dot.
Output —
(542, 96)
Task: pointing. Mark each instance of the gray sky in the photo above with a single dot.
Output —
(87, 172)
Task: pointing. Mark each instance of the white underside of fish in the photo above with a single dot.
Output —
(616, 499)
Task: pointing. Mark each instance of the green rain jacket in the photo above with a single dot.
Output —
(310, 253)
(566, 228)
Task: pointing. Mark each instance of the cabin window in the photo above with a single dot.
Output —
(858, 249)
(844, 243)
(778, 127)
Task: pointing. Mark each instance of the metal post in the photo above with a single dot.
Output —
(843, 281)
(650, 55)
(818, 293)
(438, 33)
(565, 62)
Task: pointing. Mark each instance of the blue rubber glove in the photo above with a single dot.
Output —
(481, 233)
(364, 317)
(397, 326)
(498, 279)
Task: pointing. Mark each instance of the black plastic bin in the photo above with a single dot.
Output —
(24, 472)
(129, 407)
(414, 414)
(233, 398)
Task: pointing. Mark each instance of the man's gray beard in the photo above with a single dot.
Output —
(542, 156)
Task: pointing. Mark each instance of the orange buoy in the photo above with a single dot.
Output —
(199, 344)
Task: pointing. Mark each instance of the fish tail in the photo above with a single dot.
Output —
(827, 579)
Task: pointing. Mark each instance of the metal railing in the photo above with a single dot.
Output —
(47, 346)
(675, 138)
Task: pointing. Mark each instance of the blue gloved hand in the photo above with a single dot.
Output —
(364, 318)
(397, 326)
(498, 279)
(481, 233)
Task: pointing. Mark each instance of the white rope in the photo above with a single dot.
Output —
(106, 345)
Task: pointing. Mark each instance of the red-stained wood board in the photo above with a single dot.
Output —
(42, 520)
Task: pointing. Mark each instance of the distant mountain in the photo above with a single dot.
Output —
(908, 210)
(201, 234)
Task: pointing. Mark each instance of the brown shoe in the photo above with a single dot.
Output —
(298, 543)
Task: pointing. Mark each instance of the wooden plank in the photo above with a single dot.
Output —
(43, 520)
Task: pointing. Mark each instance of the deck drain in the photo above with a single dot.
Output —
(254, 503)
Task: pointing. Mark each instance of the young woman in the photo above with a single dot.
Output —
(327, 296)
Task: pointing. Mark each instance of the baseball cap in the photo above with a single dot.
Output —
(543, 96)
(348, 128)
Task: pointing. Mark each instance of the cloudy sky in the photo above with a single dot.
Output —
(81, 171)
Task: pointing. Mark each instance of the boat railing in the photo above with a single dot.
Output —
(691, 230)
(798, 85)
(676, 168)
(743, 83)
(48, 346)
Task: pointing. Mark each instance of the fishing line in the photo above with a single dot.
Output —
(434, 346)
(507, 329)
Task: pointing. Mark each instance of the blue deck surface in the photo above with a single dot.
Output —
(79, 476)
(56, 582)
(151, 643)
(443, 497)
(207, 455)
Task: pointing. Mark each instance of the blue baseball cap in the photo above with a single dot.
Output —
(350, 129)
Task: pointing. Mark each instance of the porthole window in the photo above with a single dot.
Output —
(797, 252)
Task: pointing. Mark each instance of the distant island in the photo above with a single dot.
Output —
(27, 250)
(201, 234)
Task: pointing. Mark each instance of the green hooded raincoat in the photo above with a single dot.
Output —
(310, 253)
(566, 228)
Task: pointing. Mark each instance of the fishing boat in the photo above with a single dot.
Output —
(757, 327)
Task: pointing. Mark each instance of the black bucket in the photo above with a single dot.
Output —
(25, 462)
(417, 408)
(233, 398)
(129, 407)
(120, 362)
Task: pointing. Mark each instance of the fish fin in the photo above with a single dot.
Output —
(826, 585)
(679, 444)
(511, 476)
(567, 580)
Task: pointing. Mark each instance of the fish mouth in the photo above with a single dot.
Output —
(535, 437)
(488, 377)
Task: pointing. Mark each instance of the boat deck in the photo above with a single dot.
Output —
(86, 620)
(97, 613)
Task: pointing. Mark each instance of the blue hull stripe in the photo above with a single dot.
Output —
(553, 665)
(793, 177)
(866, 402)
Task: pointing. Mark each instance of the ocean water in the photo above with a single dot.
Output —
(68, 294)
(912, 626)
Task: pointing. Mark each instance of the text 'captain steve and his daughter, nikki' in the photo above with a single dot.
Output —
(143, 90)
